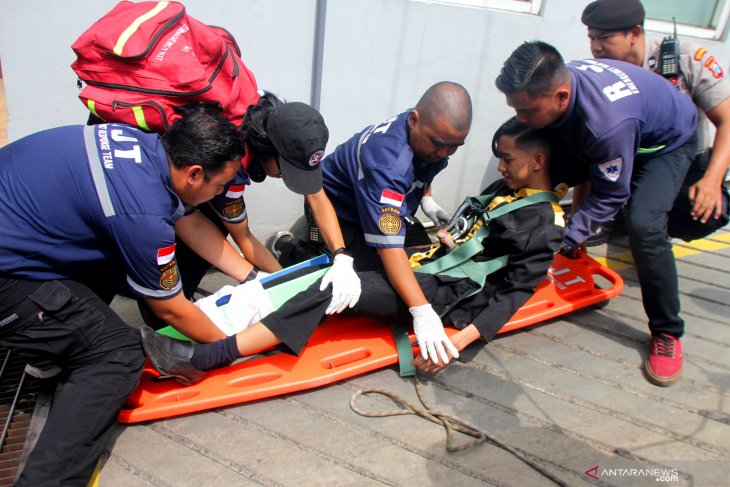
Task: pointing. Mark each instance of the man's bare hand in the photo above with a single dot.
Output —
(427, 366)
(706, 199)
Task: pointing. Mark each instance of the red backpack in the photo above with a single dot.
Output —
(141, 60)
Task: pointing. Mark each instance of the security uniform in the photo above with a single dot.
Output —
(702, 78)
(77, 205)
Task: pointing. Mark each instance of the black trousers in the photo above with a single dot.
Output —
(66, 325)
(680, 223)
(294, 322)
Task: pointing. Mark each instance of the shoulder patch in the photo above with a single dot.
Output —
(389, 223)
(169, 275)
(165, 254)
(714, 67)
(235, 191)
(234, 209)
(612, 169)
(700, 54)
(388, 197)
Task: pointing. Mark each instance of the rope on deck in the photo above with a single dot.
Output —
(450, 423)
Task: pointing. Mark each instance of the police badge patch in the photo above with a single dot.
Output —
(714, 67)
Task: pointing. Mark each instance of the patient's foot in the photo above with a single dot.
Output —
(171, 357)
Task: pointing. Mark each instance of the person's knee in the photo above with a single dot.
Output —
(645, 227)
(122, 370)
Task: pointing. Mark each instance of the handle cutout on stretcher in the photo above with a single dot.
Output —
(255, 379)
(334, 361)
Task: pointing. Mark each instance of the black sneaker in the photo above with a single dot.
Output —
(613, 228)
(601, 235)
(276, 237)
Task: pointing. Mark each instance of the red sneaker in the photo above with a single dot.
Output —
(664, 365)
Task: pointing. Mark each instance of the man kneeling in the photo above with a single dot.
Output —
(529, 236)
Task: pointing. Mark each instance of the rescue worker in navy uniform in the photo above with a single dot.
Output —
(376, 181)
(283, 140)
(77, 203)
(529, 236)
(616, 31)
(632, 134)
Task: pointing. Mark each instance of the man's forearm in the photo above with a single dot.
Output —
(206, 240)
(326, 219)
(253, 250)
(186, 318)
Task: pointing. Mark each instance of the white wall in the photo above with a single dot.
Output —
(379, 57)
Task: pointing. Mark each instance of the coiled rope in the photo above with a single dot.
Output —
(450, 423)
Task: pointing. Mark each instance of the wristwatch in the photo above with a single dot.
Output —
(251, 275)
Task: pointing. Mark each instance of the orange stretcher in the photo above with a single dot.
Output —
(341, 348)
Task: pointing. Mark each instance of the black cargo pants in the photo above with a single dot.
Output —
(66, 325)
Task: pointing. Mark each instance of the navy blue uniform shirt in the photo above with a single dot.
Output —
(615, 109)
(76, 199)
(373, 179)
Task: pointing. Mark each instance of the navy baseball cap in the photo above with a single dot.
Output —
(298, 133)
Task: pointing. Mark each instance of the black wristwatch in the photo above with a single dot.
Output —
(251, 275)
(338, 251)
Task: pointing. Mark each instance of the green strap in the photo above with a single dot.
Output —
(650, 150)
(477, 270)
(473, 246)
(462, 253)
(405, 350)
(543, 196)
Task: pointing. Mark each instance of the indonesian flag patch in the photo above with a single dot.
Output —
(165, 255)
(612, 169)
(392, 198)
(235, 191)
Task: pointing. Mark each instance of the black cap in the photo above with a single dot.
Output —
(299, 134)
(613, 14)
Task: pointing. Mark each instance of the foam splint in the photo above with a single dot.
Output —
(344, 347)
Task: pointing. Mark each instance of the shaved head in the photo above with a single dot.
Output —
(440, 122)
(449, 101)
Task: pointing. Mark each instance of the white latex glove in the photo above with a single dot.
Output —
(431, 335)
(434, 212)
(247, 304)
(345, 284)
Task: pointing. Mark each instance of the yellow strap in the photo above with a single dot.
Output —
(94, 480)
(119, 47)
(415, 259)
(92, 107)
(139, 117)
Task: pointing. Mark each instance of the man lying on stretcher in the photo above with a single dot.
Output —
(526, 238)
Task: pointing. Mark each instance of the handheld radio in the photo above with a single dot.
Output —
(669, 56)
